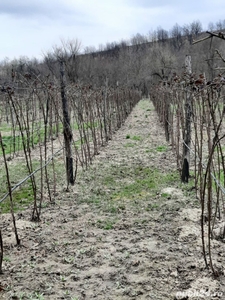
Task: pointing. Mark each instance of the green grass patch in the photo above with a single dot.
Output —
(23, 195)
(17, 171)
(165, 195)
(120, 187)
(87, 125)
(21, 200)
(109, 180)
(11, 144)
(4, 127)
(136, 138)
(161, 149)
(7, 259)
(107, 224)
(14, 143)
(149, 150)
(146, 181)
(152, 207)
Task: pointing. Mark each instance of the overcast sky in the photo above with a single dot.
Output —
(31, 27)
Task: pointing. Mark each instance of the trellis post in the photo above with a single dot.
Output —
(68, 136)
(187, 130)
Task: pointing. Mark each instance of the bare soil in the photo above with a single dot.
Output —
(128, 229)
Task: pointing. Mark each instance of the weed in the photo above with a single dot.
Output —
(161, 148)
(149, 151)
(21, 296)
(165, 195)
(144, 221)
(69, 259)
(152, 206)
(62, 278)
(36, 296)
(129, 145)
(106, 224)
(127, 136)
(66, 293)
(6, 258)
(136, 138)
(127, 254)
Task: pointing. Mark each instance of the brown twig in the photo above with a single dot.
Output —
(220, 55)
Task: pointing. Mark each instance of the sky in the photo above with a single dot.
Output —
(30, 28)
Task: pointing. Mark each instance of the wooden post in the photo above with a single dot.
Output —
(1, 253)
(68, 136)
(187, 130)
(105, 118)
(166, 116)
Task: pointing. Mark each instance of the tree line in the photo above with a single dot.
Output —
(138, 62)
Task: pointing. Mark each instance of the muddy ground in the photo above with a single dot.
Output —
(128, 229)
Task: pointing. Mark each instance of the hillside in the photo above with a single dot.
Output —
(128, 229)
(138, 63)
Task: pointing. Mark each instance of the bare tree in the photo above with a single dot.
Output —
(138, 39)
(70, 50)
(162, 34)
(152, 36)
(220, 25)
(176, 35)
(196, 28)
(211, 26)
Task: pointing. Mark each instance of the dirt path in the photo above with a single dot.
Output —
(127, 230)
